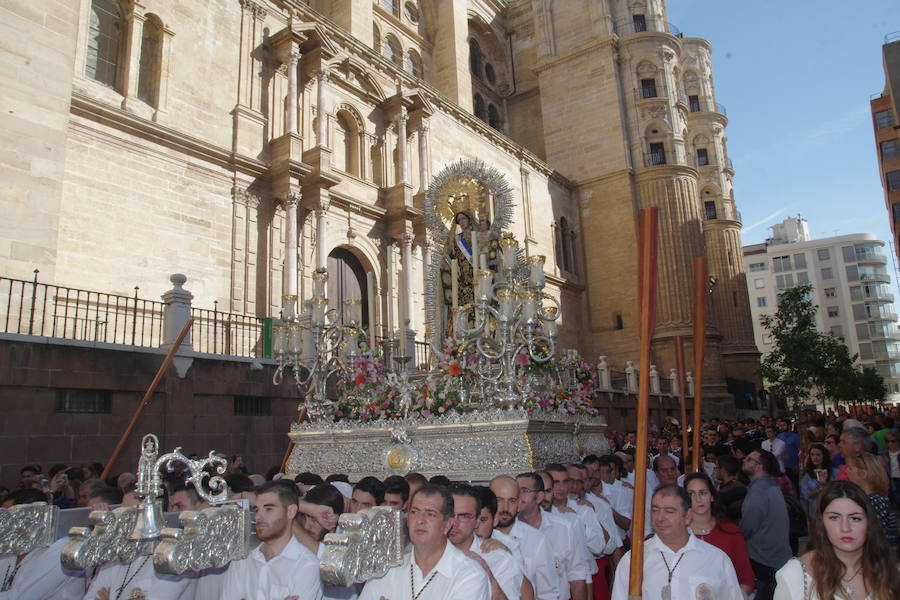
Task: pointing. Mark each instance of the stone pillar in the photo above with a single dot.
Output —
(292, 59)
(176, 313)
(321, 235)
(322, 114)
(401, 145)
(289, 274)
(407, 324)
(424, 175)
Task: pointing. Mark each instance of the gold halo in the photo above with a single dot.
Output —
(462, 194)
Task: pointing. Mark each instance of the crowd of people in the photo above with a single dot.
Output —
(732, 530)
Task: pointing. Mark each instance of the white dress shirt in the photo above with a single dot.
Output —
(568, 547)
(504, 567)
(40, 576)
(454, 577)
(538, 557)
(704, 571)
(776, 447)
(140, 575)
(604, 513)
(621, 498)
(293, 572)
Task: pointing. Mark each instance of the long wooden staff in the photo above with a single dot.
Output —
(682, 393)
(648, 225)
(146, 400)
(700, 299)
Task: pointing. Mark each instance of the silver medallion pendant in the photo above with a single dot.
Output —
(667, 592)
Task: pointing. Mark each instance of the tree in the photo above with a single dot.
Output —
(804, 360)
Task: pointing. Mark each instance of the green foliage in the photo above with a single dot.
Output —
(804, 360)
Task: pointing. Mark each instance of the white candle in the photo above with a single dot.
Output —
(475, 253)
(454, 283)
(370, 291)
(483, 263)
(402, 302)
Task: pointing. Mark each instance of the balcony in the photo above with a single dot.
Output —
(660, 158)
(652, 25)
(871, 257)
(706, 107)
(876, 277)
(886, 353)
(878, 296)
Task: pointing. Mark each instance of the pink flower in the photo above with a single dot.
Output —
(426, 413)
(522, 359)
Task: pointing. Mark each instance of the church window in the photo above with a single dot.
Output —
(489, 74)
(565, 246)
(648, 88)
(475, 58)
(478, 107)
(640, 23)
(657, 154)
(493, 117)
(411, 11)
(390, 6)
(709, 208)
(104, 42)
(392, 50)
(617, 321)
(702, 157)
(376, 39)
(149, 71)
(694, 103)
(346, 146)
(413, 64)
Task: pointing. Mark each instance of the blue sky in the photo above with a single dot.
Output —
(796, 77)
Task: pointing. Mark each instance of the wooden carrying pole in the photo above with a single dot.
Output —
(700, 299)
(146, 400)
(682, 393)
(648, 220)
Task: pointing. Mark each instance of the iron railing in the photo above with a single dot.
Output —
(630, 26)
(55, 311)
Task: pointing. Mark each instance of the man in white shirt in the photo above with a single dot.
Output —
(504, 572)
(775, 446)
(280, 568)
(563, 538)
(435, 569)
(620, 497)
(536, 554)
(677, 565)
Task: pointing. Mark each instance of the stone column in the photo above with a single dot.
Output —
(322, 114)
(292, 58)
(401, 145)
(176, 313)
(423, 157)
(406, 291)
(321, 235)
(289, 274)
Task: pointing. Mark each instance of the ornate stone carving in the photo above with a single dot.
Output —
(259, 11)
(25, 527)
(210, 538)
(108, 541)
(373, 541)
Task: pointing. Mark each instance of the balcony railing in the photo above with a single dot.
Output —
(660, 158)
(629, 27)
(700, 106)
(878, 277)
(871, 257)
(53, 311)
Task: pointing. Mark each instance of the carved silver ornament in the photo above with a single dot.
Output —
(210, 538)
(373, 541)
(24, 527)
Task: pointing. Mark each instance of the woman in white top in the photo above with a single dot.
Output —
(848, 557)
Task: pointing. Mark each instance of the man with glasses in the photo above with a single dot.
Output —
(434, 569)
(764, 522)
(502, 570)
(519, 536)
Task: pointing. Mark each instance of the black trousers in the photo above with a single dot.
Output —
(765, 580)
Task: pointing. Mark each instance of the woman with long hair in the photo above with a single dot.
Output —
(710, 525)
(848, 557)
(817, 472)
(867, 472)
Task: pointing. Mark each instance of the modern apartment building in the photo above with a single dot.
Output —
(851, 286)
(887, 133)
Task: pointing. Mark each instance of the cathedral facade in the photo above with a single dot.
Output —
(226, 139)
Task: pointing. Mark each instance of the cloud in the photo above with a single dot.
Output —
(767, 219)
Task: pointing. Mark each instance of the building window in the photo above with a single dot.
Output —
(823, 254)
(392, 50)
(893, 180)
(895, 211)
(833, 311)
(413, 64)
(761, 301)
(799, 261)
(489, 74)
(83, 401)
(760, 266)
(782, 263)
(837, 331)
(565, 246)
(479, 108)
(412, 12)
(702, 157)
(389, 6)
(710, 209)
(890, 148)
(865, 352)
(252, 406)
(802, 278)
(494, 117)
(618, 324)
(782, 282)
(694, 103)
(827, 273)
(640, 23)
(884, 119)
(657, 153)
(104, 39)
(648, 88)
(829, 292)
(759, 283)
(149, 70)
(475, 58)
